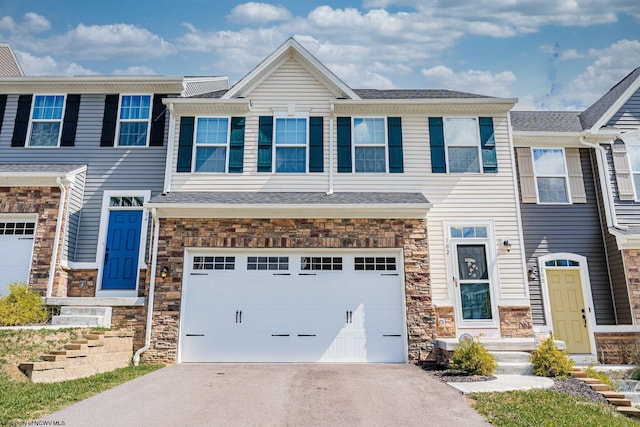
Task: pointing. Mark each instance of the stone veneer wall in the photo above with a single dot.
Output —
(515, 322)
(74, 287)
(177, 234)
(446, 322)
(617, 347)
(632, 265)
(44, 202)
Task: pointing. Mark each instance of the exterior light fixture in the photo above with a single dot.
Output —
(164, 272)
(532, 273)
(507, 245)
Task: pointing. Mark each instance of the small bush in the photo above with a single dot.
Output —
(473, 358)
(592, 373)
(549, 361)
(21, 306)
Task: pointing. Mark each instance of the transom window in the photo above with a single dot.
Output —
(126, 201)
(562, 263)
(46, 120)
(134, 119)
(375, 264)
(321, 263)
(291, 145)
(551, 175)
(462, 139)
(469, 232)
(212, 141)
(369, 142)
(633, 151)
(268, 263)
(214, 262)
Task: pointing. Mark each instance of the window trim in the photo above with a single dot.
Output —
(447, 146)
(31, 120)
(492, 265)
(636, 189)
(227, 145)
(275, 145)
(565, 176)
(119, 121)
(354, 145)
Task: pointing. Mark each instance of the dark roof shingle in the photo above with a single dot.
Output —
(546, 121)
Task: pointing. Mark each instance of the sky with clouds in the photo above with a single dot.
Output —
(551, 54)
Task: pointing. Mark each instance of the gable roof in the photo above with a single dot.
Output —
(290, 49)
(601, 111)
(546, 121)
(9, 65)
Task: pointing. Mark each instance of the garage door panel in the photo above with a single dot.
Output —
(16, 246)
(293, 313)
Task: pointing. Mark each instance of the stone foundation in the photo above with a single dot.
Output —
(515, 322)
(131, 319)
(180, 233)
(445, 322)
(618, 348)
(632, 265)
(44, 202)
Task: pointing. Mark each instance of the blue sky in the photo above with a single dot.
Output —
(551, 54)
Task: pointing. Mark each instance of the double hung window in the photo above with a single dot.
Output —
(463, 144)
(551, 175)
(291, 136)
(211, 141)
(134, 120)
(634, 159)
(46, 120)
(369, 142)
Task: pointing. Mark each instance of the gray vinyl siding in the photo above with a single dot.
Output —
(74, 212)
(628, 117)
(627, 211)
(574, 228)
(109, 168)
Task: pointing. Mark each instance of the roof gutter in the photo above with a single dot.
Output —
(152, 288)
(170, 147)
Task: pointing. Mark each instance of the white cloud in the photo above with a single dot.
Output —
(135, 70)
(47, 66)
(31, 23)
(473, 81)
(258, 13)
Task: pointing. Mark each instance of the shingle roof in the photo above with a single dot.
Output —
(38, 169)
(414, 94)
(592, 114)
(546, 121)
(288, 198)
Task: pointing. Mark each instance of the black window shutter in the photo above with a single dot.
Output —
(394, 131)
(488, 145)
(70, 122)
(3, 105)
(158, 117)
(436, 142)
(265, 143)
(236, 145)
(316, 149)
(22, 121)
(109, 121)
(344, 144)
(185, 144)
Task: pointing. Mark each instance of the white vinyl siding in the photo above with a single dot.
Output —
(46, 120)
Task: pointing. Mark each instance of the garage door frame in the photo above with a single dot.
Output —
(194, 251)
(14, 217)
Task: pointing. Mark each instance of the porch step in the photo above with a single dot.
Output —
(83, 316)
(513, 362)
(629, 411)
(511, 356)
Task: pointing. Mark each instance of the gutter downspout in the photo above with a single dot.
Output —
(168, 173)
(56, 239)
(152, 288)
(331, 154)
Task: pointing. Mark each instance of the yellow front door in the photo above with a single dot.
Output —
(567, 309)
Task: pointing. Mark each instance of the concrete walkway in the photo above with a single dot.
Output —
(276, 395)
(504, 383)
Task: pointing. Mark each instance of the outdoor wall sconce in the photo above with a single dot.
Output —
(507, 245)
(532, 273)
(164, 272)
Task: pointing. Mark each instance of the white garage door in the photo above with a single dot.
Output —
(16, 246)
(285, 307)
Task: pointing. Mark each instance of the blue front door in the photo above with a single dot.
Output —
(123, 248)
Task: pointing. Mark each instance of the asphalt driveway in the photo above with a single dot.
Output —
(276, 395)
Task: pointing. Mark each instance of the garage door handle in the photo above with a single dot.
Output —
(392, 335)
(195, 335)
(238, 316)
(282, 274)
(306, 335)
(349, 316)
(199, 274)
(389, 274)
(306, 274)
(25, 238)
(279, 335)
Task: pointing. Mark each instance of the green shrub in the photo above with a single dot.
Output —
(21, 306)
(549, 361)
(473, 358)
(592, 373)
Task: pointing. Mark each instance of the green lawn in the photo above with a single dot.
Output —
(22, 400)
(537, 408)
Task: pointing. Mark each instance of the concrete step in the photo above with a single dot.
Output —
(511, 356)
(620, 402)
(514, 369)
(629, 411)
(87, 311)
(76, 320)
(83, 316)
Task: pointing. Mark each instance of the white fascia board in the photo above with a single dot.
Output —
(39, 179)
(448, 106)
(215, 210)
(93, 84)
(616, 106)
